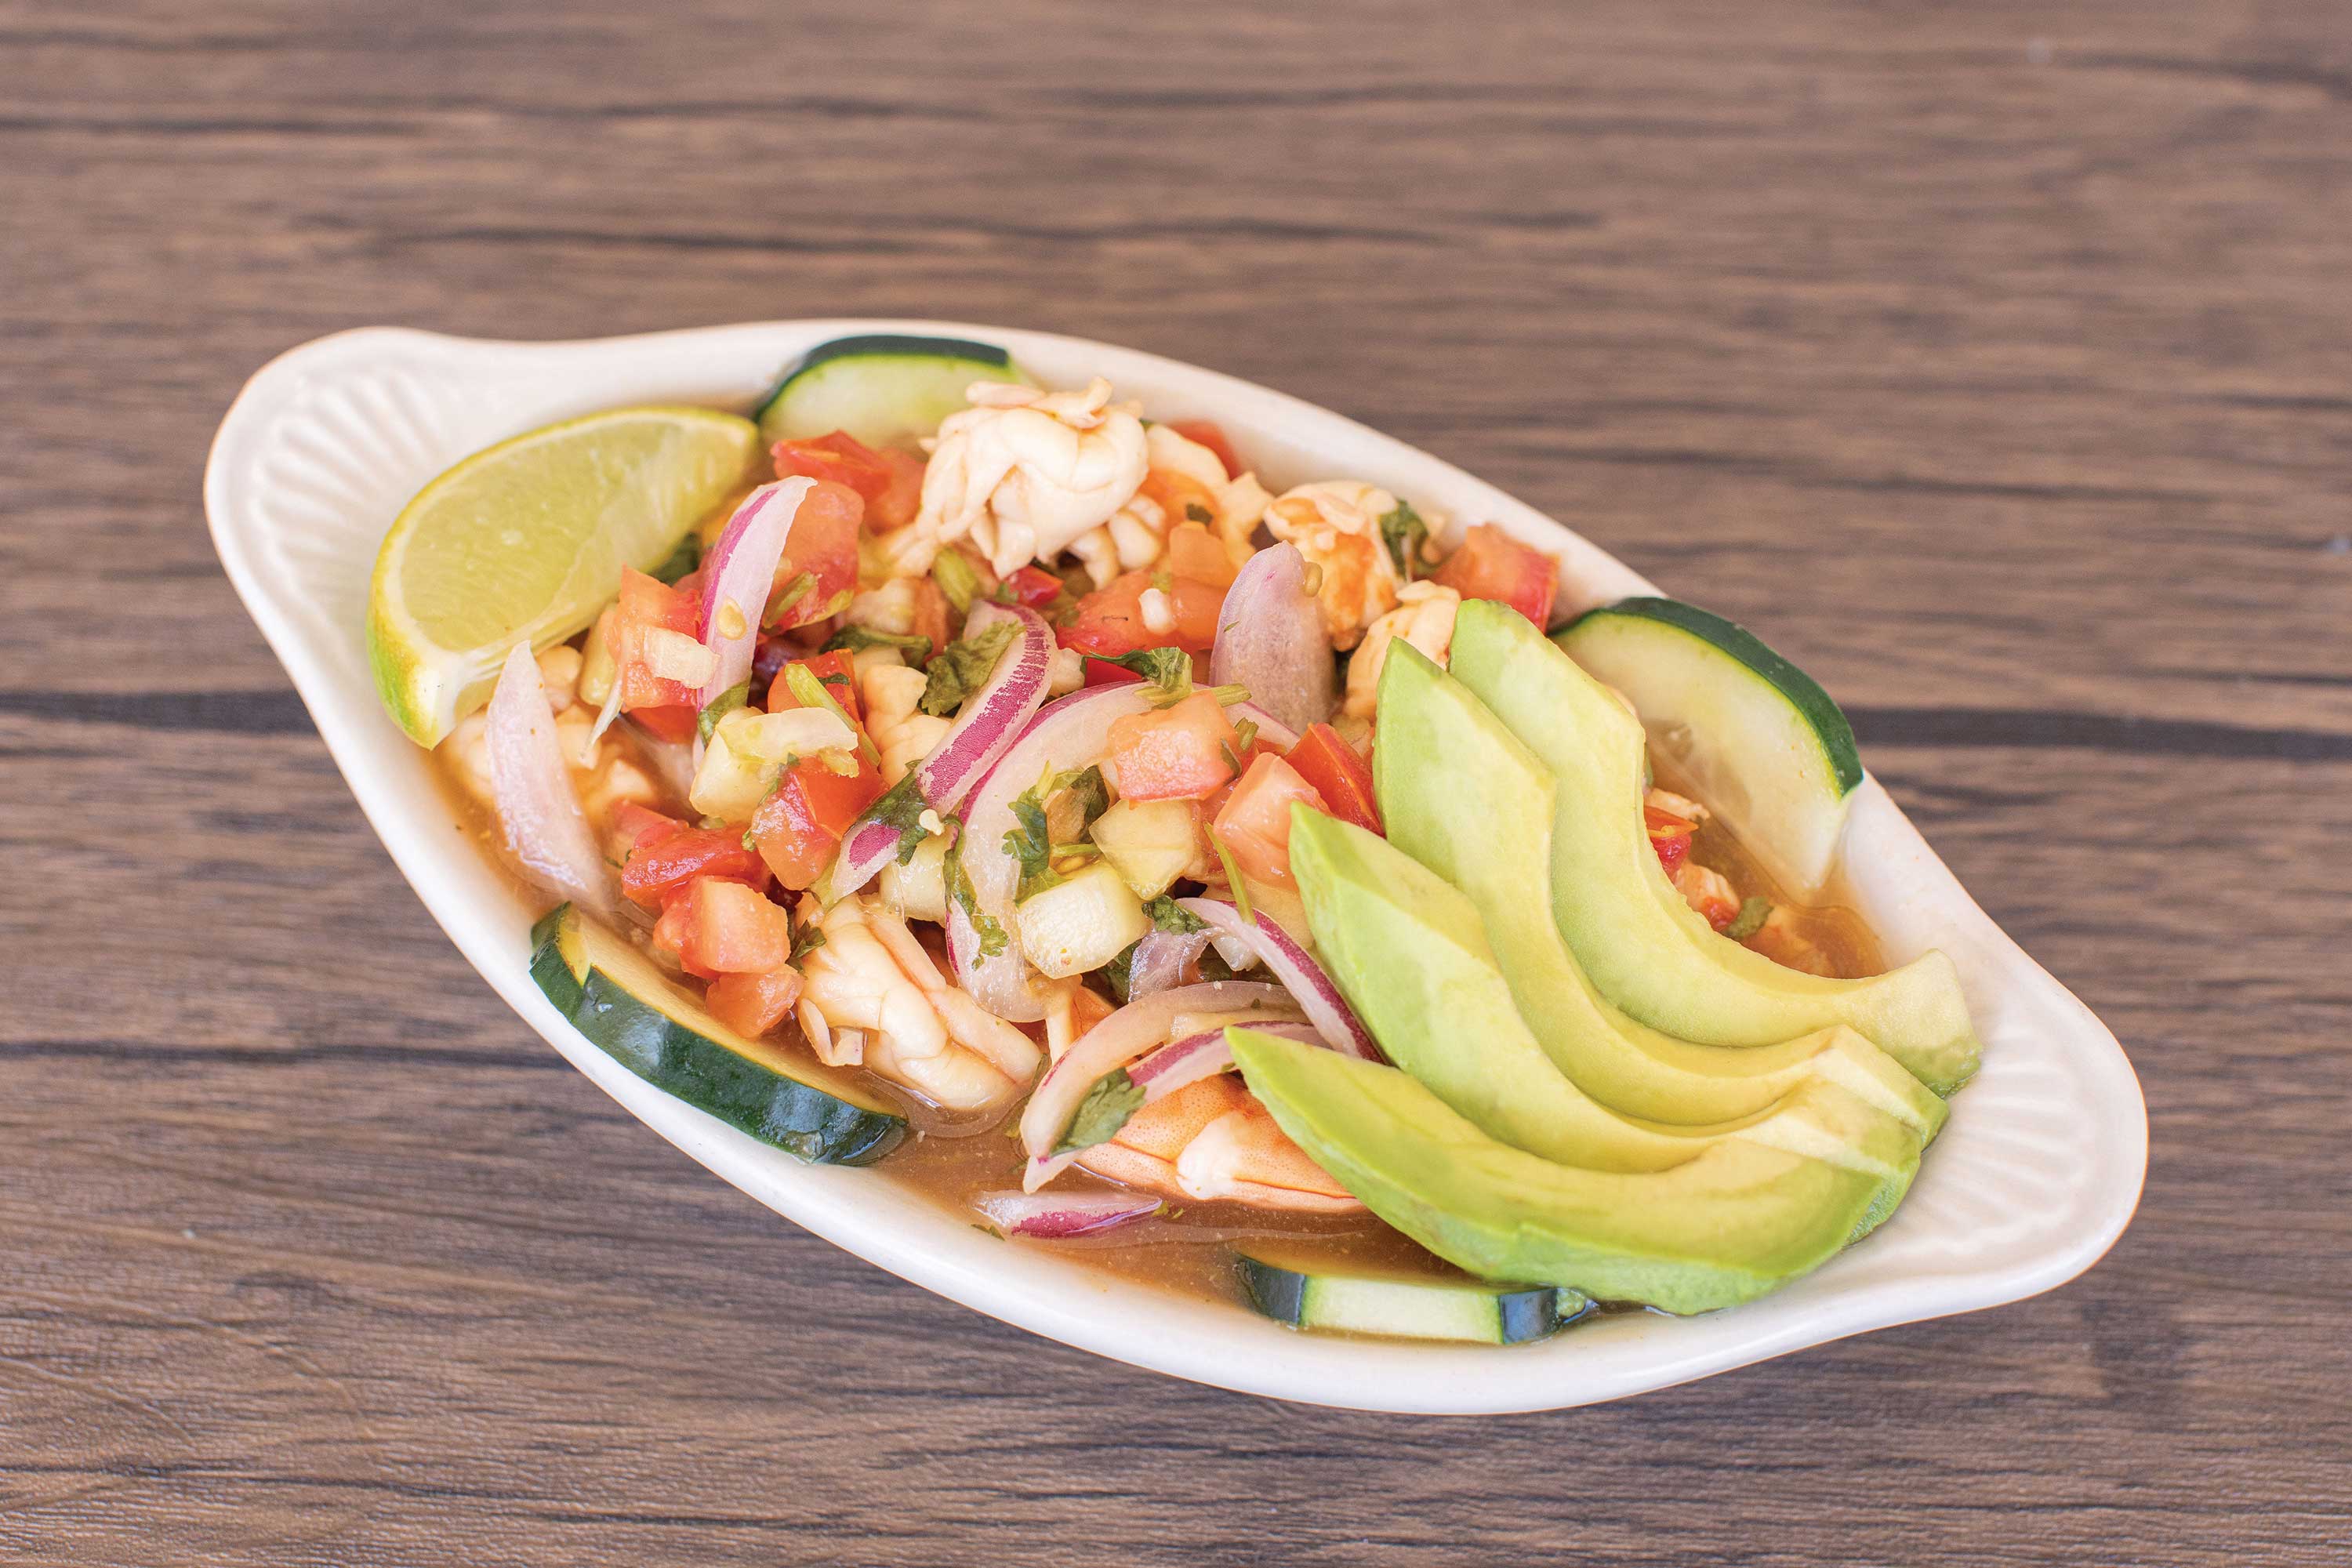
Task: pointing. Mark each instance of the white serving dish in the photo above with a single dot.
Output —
(2034, 1178)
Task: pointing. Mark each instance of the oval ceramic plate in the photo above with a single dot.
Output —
(2036, 1175)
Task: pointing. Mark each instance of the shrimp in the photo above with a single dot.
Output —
(1336, 524)
(603, 771)
(1212, 1140)
(918, 1028)
(1025, 473)
(903, 734)
(1423, 617)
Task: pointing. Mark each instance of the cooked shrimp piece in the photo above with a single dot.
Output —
(1423, 617)
(1213, 1140)
(871, 975)
(903, 734)
(1707, 891)
(1025, 473)
(1336, 524)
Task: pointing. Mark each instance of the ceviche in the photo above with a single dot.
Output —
(1262, 884)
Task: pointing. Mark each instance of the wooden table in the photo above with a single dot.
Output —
(1996, 361)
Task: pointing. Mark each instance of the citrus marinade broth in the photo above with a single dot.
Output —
(1186, 1248)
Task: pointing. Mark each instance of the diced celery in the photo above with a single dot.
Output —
(1081, 922)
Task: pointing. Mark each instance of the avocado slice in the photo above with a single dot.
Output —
(1740, 1220)
(1644, 948)
(1483, 823)
(1412, 955)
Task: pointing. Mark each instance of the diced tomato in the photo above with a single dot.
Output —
(1331, 768)
(840, 456)
(1195, 553)
(1101, 673)
(640, 828)
(1670, 835)
(903, 497)
(1491, 564)
(752, 1004)
(670, 936)
(1034, 588)
(656, 873)
(1109, 621)
(1209, 434)
(889, 482)
(648, 604)
(798, 828)
(671, 722)
(1183, 753)
(734, 929)
(834, 672)
(1254, 825)
(823, 544)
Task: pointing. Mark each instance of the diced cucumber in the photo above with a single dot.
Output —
(1081, 922)
(1308, 1294)
(1756, 737)
(917, 890)
(1149, 842)
(748, 749)
(634, 1013)
(888, 391)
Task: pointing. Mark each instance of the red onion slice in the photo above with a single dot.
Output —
(1117, 1040)
(1058, 1216)
(1069, 733)
(990, 722)
(1160, 959)
(1182, 1063)
(1299, 973)
(531, 788)
(1270, 638)
(742, 569)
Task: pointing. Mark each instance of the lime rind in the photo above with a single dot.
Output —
(525, 541)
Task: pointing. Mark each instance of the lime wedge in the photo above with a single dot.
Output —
(525, 541)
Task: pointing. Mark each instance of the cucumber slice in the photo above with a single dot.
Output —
(1756, 737)
(1308, 1294)
(634, 1013)
(885, 390)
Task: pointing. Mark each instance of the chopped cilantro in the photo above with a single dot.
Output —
(720, 706)
(1108, 1103)
(1171, 916)
(1753, 913)
(857, 639)
(682, 560)
(963, 667)
(1031, 842)
(1405, 533)
(958, 578)
(812, 936)
(1114, 973)
(900, 807)
(1168, 668)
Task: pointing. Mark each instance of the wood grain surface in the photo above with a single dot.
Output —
(1996, 360)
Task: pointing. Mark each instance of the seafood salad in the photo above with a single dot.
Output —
(1261, 883)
